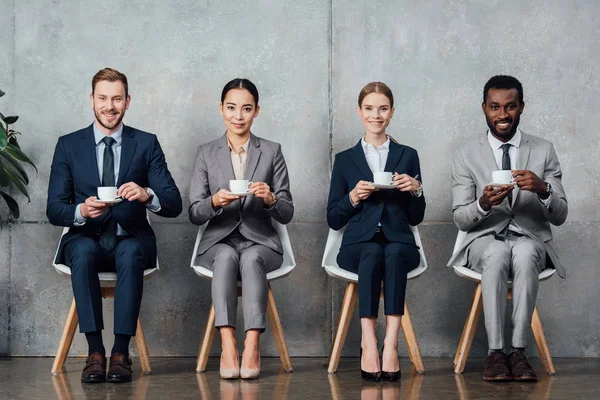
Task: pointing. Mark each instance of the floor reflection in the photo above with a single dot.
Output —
(540, 390)
(243, 389)
(64, 390)
(407, 388)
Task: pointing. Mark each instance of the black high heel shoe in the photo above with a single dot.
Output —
(388, 376)
(369, 376)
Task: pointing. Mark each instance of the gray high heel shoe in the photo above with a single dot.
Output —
(229, 373)
(247, 373)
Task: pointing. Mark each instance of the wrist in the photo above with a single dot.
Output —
(271, 200)
(84, 211)
(213, 203)
(353, 197)
(484, 204)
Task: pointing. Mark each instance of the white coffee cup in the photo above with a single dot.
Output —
(382, 178)
(239, 186)
(107, 192)
(503, 177)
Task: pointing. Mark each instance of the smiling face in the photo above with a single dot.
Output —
(503, 110)
(375, 113)
(109, 102)
(238, 110)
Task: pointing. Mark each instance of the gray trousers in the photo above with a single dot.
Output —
(237, 258)
(520, 259)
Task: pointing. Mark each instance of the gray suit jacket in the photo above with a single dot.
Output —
(213, 171)
(472, 171)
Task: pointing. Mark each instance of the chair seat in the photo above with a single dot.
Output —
(475, 276)
(107, 279)
(339, 273)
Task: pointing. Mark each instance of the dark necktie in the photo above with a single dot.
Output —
(108, 238)
(506, 165)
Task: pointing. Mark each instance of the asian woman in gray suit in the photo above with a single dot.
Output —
(240, 242)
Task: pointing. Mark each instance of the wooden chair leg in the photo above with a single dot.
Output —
(462, 337)
(469, 331)
(411, 341)
(541, 343)
(207, 341)
(348, 305)
(278, 333)
(66, 340)
(142, 348)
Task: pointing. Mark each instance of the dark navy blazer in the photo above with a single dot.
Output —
(394, 209)
(74, 177)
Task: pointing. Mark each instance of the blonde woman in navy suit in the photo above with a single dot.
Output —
(378, 244)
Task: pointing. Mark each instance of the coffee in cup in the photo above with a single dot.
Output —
(382, 178)
(239, 186)
(107, 193)
(503, 177)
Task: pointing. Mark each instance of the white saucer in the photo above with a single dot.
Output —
(381, 186)
(240, 194)
(502, 184)
(113, 201)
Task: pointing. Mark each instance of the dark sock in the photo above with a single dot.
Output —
(519, 349)
(121, 344)
(95, 344)
(495, 351)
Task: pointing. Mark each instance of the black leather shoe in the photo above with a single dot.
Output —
(520, 368)
(369, 376)
(389, 376)
(119, 370)
(497, 367)
(95, 369)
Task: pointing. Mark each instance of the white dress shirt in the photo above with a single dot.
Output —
(513, 153)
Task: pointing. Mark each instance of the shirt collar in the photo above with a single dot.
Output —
(496, 144)
(99, 135)
(384, 146)
(244, 147)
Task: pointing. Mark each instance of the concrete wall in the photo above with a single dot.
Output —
(309, 60)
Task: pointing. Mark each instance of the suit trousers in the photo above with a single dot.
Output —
(520, 259)
(376, 261)
(87, 258)
(237, 258)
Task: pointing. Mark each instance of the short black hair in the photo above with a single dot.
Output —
(503, 82)
(241, 83)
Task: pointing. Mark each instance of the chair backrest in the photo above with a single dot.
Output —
(289, 261)
(334, 242)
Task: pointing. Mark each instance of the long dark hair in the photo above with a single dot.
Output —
(241, 83)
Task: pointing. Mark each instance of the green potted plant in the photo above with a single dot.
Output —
(12, 173)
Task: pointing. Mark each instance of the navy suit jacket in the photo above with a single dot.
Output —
(74, 177)
(394, 209)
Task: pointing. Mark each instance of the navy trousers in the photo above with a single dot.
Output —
(86, 258)
(376, 261)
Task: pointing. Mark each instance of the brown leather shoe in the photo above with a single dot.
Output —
(496, 367)
(520, 368)
(119, 370)
(95, 369)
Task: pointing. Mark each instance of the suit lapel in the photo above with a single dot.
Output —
(357, 155)
(394, 157)
(225, 160)
(523, 159)
(89, 154)
(254, 155)
(487, 154)
(128, 145)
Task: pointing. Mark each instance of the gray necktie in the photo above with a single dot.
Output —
(108, 238)
(506, 164)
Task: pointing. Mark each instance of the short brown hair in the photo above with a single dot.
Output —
(376, 87)
(111, 75)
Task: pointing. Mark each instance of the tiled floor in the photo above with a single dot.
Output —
(175, 378)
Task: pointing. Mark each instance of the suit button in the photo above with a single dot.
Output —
(476, 219)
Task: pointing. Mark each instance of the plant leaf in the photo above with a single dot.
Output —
(16, 152)
(14, 179)
(10, 120)
(3, 138)
(1, 116)
(15, 167)
(2, 93)
(13, 206)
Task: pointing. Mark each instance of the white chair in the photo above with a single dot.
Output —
(108, 281)
(329, 263)
(288, 264)
(466, 339)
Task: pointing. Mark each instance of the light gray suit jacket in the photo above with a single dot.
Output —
(472, 171)
(213, 171)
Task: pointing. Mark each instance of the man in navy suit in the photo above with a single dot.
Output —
(109, 237)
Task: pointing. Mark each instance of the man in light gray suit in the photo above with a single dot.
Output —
(508, 226)
(240, 241)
